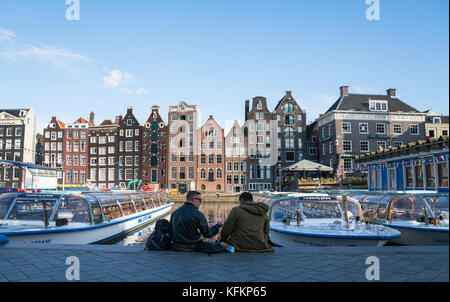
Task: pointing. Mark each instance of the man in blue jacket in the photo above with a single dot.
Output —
(187, 224)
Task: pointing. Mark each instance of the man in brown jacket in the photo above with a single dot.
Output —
(247, 226)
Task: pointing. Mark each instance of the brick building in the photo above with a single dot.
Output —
(360, 123)
(291, 133)
(54, 142)
(76, 152)
(183, 147)
(154, 151)
(235, 160)
(103, 155)
(211, 166)
(260, 131)
(130, 153)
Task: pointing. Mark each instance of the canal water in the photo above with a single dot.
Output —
(210, 210)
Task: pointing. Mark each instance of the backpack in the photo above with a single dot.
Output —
(160, 239)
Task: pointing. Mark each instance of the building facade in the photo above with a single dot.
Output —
(154, 151)
(235, 160)
(312, 142)
(76, 152)
(103, 155)
(17, 143)
(436, 125)
(54, 142)
(183, 153)
(291, 134)
(260, 131)
(130, 153)
(360, 123)
(211, 166)
(418, 166)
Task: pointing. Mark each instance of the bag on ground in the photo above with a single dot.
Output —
(160, 239)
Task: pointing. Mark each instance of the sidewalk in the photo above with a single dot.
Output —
(47, 263)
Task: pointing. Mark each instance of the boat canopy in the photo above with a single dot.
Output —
(89, 207)
(403, 206)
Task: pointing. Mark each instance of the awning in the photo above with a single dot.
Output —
(307, 166)
(30, 165)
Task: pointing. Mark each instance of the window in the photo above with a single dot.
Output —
(289, 131)
(173, 173)
(363, 128)
(182, 172)
(444, 132)
(289, 108)
(289, 143)
(129, 146)
(290, 156)
(211, 159)
(414, 129)
(364, 146)
(381, 128)
(381, 145)
(129, 122)
(348, 163)
(431, 178)
(378, 106)
(443, 174)
(219, 173)
(347, 146)
(18, 131)
(129, 133)
(102, 140)
(398, 144)
(259, 106)
(419, 176)
(259, 115)
(111, 139)
(312, 151)
(398, 129)
(289, 120)
(203, 173)
(346, 127)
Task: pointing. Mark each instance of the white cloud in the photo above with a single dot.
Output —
(126, 90)
(20, 50)
(6, 35)
(141, 91)
(117, 78)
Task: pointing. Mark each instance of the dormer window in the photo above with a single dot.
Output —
(23, 113)
(378, 105)
(259, 106)
(436, 120)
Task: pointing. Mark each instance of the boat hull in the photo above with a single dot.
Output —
(97, 234)
(328, 241)
(420, 236)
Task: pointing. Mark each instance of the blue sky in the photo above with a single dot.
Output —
(216, 54)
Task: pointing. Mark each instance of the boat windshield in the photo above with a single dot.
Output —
(321, 209)
(36, 209)
(5, 203)
(74, 209)
(439, 206)
(408, 207)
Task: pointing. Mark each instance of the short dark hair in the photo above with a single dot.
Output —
(246, 197)
(191, 194)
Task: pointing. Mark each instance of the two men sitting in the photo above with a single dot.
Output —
(245, 230)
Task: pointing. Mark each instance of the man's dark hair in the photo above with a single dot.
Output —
(191, 194)
(246, 197)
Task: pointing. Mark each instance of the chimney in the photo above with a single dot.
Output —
(391, 92)
(118, 120)
(91, 119)
(344, 90)
(289, 94)
(247, 108)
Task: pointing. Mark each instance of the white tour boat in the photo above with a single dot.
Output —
(422, 218)
(78, 218)
(321, 220)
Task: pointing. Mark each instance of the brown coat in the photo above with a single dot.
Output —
(247, 228)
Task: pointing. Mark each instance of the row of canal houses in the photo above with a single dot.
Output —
(180, 154)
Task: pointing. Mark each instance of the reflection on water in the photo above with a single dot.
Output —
(210, 210)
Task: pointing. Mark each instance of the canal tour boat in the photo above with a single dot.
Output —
(421, 218)
(78, 218)
(321, 220)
